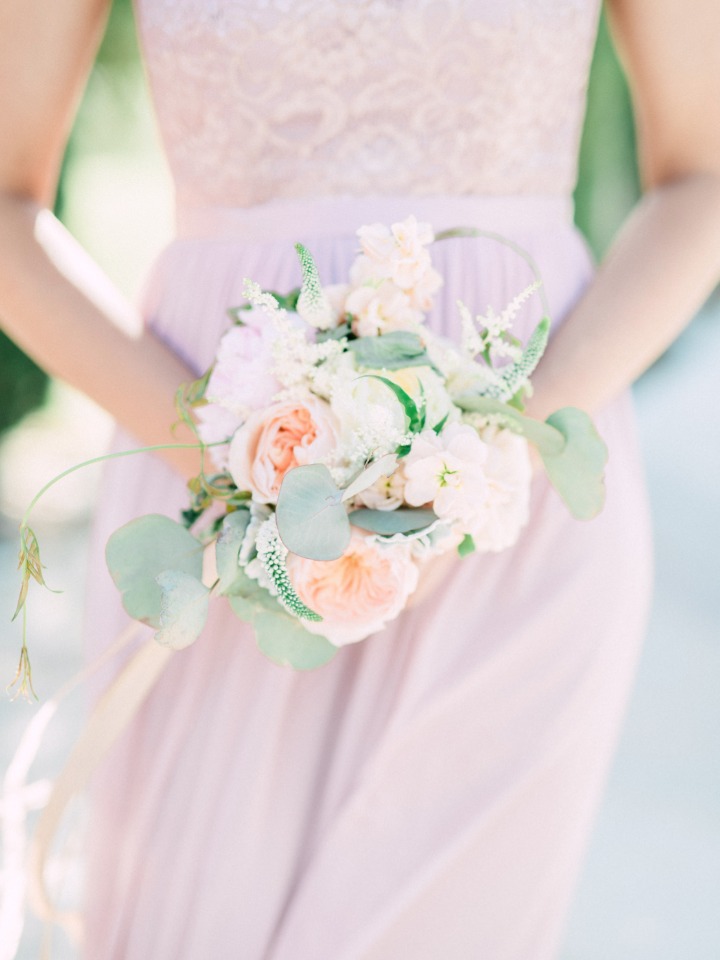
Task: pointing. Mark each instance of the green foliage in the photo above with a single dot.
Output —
(576, 471)
(227, 549)
(287, 642)
(139, 552)
(23, 385)
(311, 518)
(415, 412)
(466, 546)
(279, 636)
(184, 604)
(388, 522)
(391, 351)
(608, 182)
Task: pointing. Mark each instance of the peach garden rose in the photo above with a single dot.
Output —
(276, 439)
(360, 592)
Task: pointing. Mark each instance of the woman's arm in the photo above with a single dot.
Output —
(54, 302)
(666, 259)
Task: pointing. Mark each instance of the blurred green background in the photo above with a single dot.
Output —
(114, 134)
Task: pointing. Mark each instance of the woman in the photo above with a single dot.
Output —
(429, 792)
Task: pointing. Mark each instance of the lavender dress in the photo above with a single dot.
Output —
(429, 792)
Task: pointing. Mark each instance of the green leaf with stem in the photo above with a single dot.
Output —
(388, 522)
(280, 637)
(184, 603)
(391, 351)
(311, 518)
(413, 411)
(286, 642)
(227, 548)
(143, 549)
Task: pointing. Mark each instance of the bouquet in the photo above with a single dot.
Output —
(343, 447)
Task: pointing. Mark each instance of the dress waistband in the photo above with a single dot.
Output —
(304, 218)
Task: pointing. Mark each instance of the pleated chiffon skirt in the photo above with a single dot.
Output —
(428, 793)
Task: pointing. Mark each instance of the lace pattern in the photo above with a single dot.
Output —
(265, 99)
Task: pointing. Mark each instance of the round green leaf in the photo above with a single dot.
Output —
(311, 518)
(227, 548)
(388, 522)
(577, 471)
(183, 609)
(286, 642)
(140, 550)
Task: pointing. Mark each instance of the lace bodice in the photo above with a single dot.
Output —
(264, 99)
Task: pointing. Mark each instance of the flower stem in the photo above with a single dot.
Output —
(111, 456)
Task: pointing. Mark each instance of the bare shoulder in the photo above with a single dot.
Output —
(671, 52)
(46, 50)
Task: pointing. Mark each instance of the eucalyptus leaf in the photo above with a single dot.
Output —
(390, 351)
(388, 522)
(227, 548)
(311, 518)
(248, 598)
(280, 637)
(140, 550)
(285, 641)
(545, 437)
(183, 608)
(382, 467)
(577, 470)
(572, 451)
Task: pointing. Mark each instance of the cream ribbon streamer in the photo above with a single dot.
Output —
(110, 716)
(108, 719)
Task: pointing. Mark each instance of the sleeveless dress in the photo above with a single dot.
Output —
(429, 792)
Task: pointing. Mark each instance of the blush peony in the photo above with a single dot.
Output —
(359, 593)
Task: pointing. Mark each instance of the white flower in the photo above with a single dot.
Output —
(381, 309)
(481, 485)
(507, 503)
(372, 421)
(448, 471)
(425, 387)
(336, 295)
(387, 493)
(398, 254)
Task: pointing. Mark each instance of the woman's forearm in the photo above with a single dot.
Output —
(659, 271)
(57, 305)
